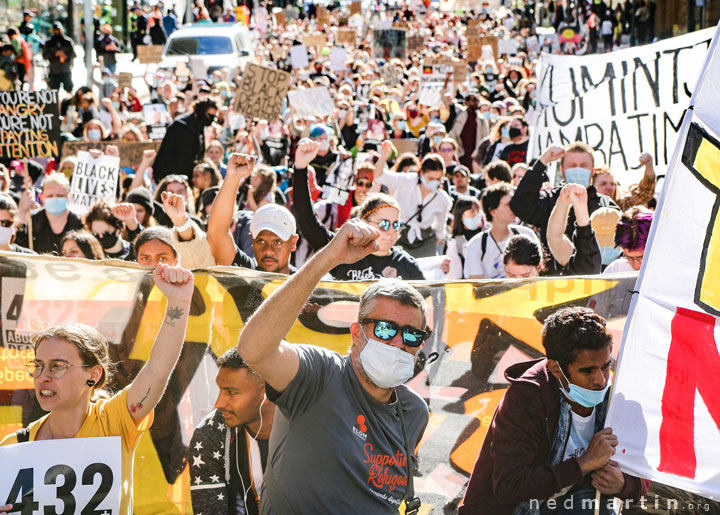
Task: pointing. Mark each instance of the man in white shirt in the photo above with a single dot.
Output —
(484, 256)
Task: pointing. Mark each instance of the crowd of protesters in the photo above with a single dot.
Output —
(446, 186)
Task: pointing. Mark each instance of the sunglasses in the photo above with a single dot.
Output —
(386, 331)
(363, 184)
(6, 223)
(384, 225)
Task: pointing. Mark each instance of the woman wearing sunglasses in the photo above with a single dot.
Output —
(72, 366)
(8, 210)
(379, 210)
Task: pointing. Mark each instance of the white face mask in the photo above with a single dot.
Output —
(323, 145)
(385, 365)
(6, 234)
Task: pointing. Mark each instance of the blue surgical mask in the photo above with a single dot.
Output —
(473, 84)
(56, 205)
(505, 132)
(94, 135)
(583, 396)
(437, 139)
(472, 224)
(609, 254)
(434, 118)
(487, 115)
(431, 185)
(577, 175)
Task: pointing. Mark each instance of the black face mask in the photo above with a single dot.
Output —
(514, 132)
(490, 77)
(207, 120)
(108, 239)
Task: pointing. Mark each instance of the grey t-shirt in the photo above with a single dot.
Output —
(333, 448)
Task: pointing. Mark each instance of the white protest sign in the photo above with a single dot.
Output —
(338, 56)
(665, 408)
(621, 103)
(311, 102)
(198, 68)
(237, 121)
(533, 44)
(299, 57)
(431, 84)
(83, 475)
(92, 180)
(157, 118)
(507, 46)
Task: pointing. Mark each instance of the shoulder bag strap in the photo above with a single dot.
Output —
(412, 502)
(421, 208)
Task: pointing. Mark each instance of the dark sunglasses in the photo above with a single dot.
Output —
(364, 184)
(386, 331)
(6, 223)
(384, 225)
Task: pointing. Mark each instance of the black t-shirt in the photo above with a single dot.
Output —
(515, 153)
(274, 150)
(398, 264)
(321, 164)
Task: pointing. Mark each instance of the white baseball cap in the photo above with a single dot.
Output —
(276, 219)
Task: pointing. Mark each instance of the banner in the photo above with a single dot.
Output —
(84, 474)
(262, 92)
(621, 103)
(665, 407)
(311, 102)
(479, 329)
(92, 180)
(29, 124)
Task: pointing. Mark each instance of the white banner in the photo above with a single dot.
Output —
(621, 103)
(311, 102)
(75, 475)
(665, 407)
(93, 179)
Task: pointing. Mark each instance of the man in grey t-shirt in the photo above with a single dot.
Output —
(337, 442)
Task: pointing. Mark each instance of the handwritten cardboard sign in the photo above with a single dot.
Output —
(261, 92)
(149, 53)
(29, 124)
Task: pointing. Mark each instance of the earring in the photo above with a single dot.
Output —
(90, 383)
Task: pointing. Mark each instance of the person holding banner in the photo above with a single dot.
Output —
(72, 365)
(350, 416)
(547, 448)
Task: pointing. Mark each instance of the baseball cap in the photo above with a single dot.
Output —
(276, 219)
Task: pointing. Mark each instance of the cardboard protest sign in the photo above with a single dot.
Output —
(157, 118)
(338, 58)
(475, 45)
(92, 180)
(311, 102)
(355, 7)
(346, 36)
(415, 43)
(279, 17)
(29, 124)
(130, 151)
(32, 471)
(299, 57)
(460, 70)
(315, 40)
(406, 145)
(125, 79)
(390, 43)
(262, 92)
(665, 408)
(323, 17)
(148, 54)
(479, 328)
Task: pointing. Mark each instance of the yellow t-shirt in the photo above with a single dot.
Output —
(108, 418)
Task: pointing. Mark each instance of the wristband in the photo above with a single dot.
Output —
(184, 227)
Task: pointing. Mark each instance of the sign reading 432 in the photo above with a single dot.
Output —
(77, 475)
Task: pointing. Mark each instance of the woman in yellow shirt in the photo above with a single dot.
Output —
(71, 366)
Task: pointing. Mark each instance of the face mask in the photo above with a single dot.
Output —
(108, 239)
(474, 84)
(494, 117)
(473, 223)
(342, 113)
(434, 118)
(437, 139)
(324, 145)
(514, 132)
(609, 254)
(6, 234)
(505, 132)
(207, 120)
(264, 133)
(577, 175)
(583, 396)
(412, 113)
(385, 365)
(116, 105)
(56, 205)
(94, 134)
(490, 77)
(487, 115)
(431, 185)
(401, 126)
(225, 93)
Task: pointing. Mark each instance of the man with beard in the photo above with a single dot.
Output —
(184, 143)
(229, 448)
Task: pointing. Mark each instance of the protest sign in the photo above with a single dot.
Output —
(29, 124)
(665, 408)
(38, 475)
(507, 46)
(355, 7)
(621, 103)
(130, 151)
(262, 92)
(478, 329)
(569, 34)
(476, 44)
(533, 45)
(279, 16)
(299, 57)
(338, 58)
(237, 121)
(406, 145)
(339, 182)
(182, 70)
(390, 75)
(390, 43)
(460, 70)
(125, 79)
(315, 40)
(432, 81)
(346, 36)
(311, 102)
(148, 54)
(323, 17)
(198, 68)
(157, 119)
(92, 180)
(415, 43)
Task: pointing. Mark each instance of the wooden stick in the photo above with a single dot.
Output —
(29, 220)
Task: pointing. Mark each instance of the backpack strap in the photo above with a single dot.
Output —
(483, 244)
(514, 231)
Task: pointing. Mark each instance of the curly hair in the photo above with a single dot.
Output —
(571, 330)
(102, 211)
(633, 228)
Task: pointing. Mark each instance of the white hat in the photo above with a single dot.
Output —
(275, 219)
